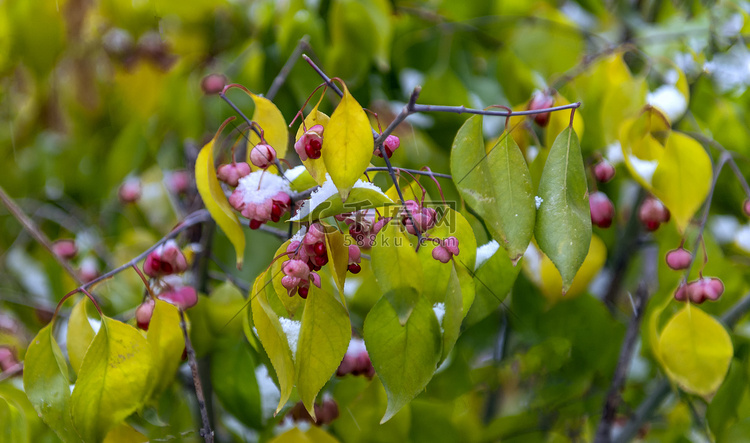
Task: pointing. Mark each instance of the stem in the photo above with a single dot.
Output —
(604, 431)
(303, 43)
(464, 109)
(206, 432)
(30, 227)
(244, 117)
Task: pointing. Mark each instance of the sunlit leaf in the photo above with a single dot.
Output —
(214, 198)
(80, 334)
(270, 119)
(683, 178)
(323, 339)
(273, 339)
(347, 144)
(404, 357)
(45, 379)
(113, 381)
(563, 228)
(496, 184)
(696, 350)
(167, 344)
(397, 269)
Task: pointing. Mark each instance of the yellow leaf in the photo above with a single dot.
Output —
(347, 144)
(167, 343)
(214, 198)
(560, 120)
(695, 350)
(124, 433)
(316, 167)
(683, 178)
(543, 272)
(338, 254)
(270, 119)
(80, 334)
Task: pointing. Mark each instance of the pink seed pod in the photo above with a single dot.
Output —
(179, 182)
(262, 155)
(681, 294)
(167, 259)
(143, 313)
(652, 213)
(231, 173)
(213, 84)
(290, 282)
(541, 100)
(65, 248)
(296, 268)
(184, 297)
(355, 254)
(602, 210)
(679, 258)
(441, 254)
(451, 245)
(315, 234)
(130, 190)
(746, 207)
(604, 171)
(315, 279)
(310, 144)
(706, 288)
(390, 145)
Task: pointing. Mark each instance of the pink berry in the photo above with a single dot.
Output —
(746, 207)
(65, 249)
(355, 254)
(303, 292)
(231, 173)
(706, 288)
(679, 258)
(541, 100)
(310, 144)
(347, 365)
(441, 254)
(451, 245)
(213, 84)
(255, 224)
(604, 171)
(166, 259)
(130, 190)
(262, 155)
(602, 209)
(143, 313)
(681, 294)
(7, 358)
(652, 213)
(179, 182)
(315, 279)
(184, 297)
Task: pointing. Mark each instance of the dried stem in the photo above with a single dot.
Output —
(206, 432)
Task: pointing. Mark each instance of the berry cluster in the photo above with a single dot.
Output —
(424, 218)
(363, 227)
(231, 173)
(310, 144)
(261, 197)
(166, 259)
(390, 144)
(306, 256)
(356, 360)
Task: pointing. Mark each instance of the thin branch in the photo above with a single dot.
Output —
(303, 43)
(411, 171)
(465, 110)
(407, 111)
(206, 432)
(195, 218)
(36, 233)
(609, 410)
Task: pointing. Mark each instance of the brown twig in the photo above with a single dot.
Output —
(206, 432)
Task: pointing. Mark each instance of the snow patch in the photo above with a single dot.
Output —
(742, 238)
(614, 153)
(326, 191)
(351, 285)
(669, 100)
(292, 174)
(532, 258)
(300, 234)
(644, 168)
(259, 186)
(356, 346)
(439, 309)
(538, 201)
(269, 393)
(291, 330)
(484, 253)
(724, 228)
(730, 70)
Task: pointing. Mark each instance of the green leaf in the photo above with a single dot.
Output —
(273, 339)
(347, 144)
(124, 433)
(214, 198)
(723, 410)
(80, 334)
(45, 380)
(397, 269)
(113, 381)
(13, 428)
(683, 177)
(360, 197)
(323, 339)
(454, 314)
(695, 350)
(404, 357)
(563, 229)
(223, 306)
(493, 280)
(496, 184)
(234, 382)
(167, 344)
